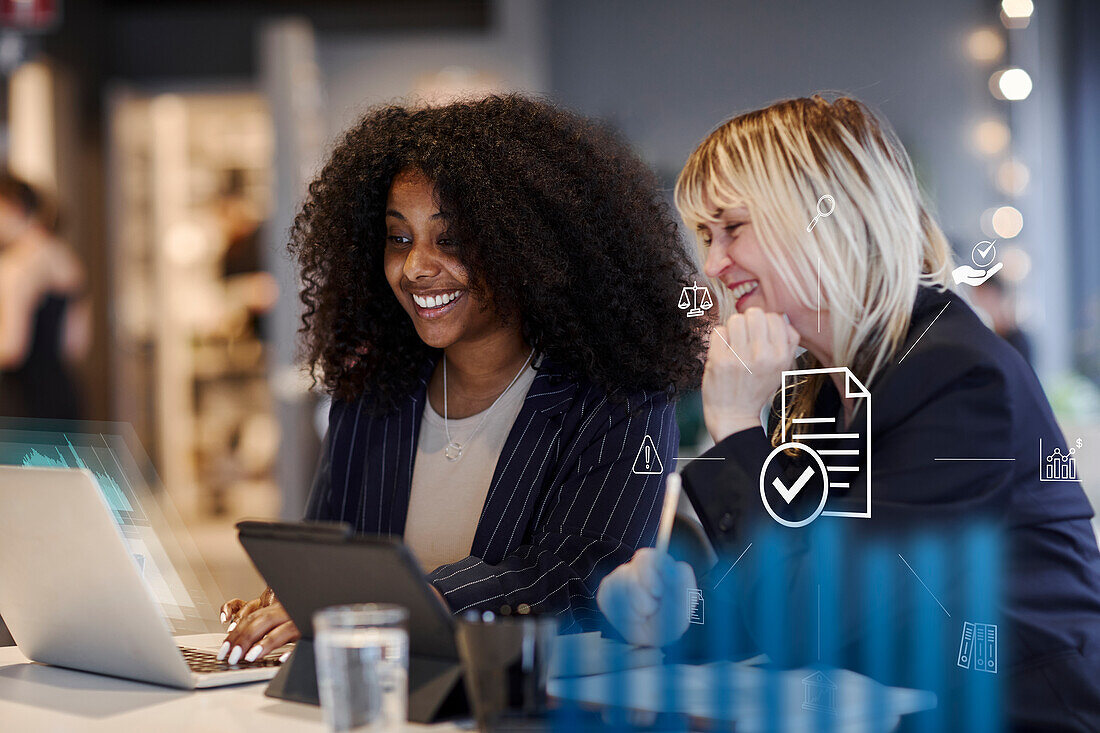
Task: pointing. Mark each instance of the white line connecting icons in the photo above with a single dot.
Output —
(829, 456)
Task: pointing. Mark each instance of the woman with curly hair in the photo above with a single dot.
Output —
(489, 294)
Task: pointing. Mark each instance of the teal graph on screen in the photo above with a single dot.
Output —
(116, 499)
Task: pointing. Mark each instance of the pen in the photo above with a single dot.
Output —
(668, 511)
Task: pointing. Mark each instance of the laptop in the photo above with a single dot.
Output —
(73, 596)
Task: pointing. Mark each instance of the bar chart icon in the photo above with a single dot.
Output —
(1057, 466)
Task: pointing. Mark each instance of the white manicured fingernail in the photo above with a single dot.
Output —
(232, 626)
(223, 617)
(253, 653)
(223, 651)
(285, 657)
(235, 655)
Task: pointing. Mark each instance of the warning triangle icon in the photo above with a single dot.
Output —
(648, 462)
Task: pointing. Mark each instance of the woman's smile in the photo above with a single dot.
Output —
(436, 303)
(741, 291)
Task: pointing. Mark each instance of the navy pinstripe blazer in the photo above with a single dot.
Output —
(564, 507)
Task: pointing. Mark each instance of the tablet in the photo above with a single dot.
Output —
(311, 565)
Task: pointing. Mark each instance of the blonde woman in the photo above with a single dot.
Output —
(942, 386)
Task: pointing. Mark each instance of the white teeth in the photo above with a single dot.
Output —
(743, 288)
(435, 301)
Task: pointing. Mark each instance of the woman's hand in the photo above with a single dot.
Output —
(255, 628)
(646, 599)
(234, 611)
(734, 393)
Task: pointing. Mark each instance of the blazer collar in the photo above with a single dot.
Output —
(549, 396)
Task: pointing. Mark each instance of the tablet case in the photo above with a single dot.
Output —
(313, 565)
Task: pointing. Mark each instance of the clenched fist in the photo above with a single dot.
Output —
(736, 387)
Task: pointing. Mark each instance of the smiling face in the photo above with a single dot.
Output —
(422, 266)
(736, 258)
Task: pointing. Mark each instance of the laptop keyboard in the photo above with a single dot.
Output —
(203, 662)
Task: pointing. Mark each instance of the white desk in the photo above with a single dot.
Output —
(36, 698)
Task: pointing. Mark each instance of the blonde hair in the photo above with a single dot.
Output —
(876, 248)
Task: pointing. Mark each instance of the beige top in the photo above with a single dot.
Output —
(447, 496)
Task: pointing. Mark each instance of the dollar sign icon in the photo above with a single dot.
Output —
(1078, 442)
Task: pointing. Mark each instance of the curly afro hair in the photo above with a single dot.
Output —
(555, 219)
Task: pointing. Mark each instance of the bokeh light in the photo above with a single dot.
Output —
(1007, 222)
(991, 136)
(1016, 13)
(985, 45)
(1012, 177)
(1017, 8)
(1012, 84)
(1017, 264)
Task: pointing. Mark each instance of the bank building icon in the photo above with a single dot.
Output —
(819, 693)
(697, 302)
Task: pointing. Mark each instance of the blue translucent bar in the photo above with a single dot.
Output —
(771, 614)
(878, 648)
(929, 663)
(981, 597)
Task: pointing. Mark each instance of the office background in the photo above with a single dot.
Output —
(178, 137)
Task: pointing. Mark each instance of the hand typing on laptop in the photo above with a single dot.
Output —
(255, 628)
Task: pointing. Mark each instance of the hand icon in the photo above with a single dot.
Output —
(967, 275)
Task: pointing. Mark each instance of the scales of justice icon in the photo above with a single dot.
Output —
(696, 302)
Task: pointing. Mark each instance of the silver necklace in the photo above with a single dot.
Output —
(454, 448)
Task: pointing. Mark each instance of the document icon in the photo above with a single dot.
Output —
(845, 451)
(695, 605)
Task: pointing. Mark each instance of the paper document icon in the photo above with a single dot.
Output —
(845, 451)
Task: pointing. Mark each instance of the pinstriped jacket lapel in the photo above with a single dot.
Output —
(381, 452)
(529, 452)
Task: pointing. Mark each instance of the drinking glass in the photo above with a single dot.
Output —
(362, 654)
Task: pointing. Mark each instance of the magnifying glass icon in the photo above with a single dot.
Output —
(822, 213)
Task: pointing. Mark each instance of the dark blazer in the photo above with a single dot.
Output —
(954, 390)
(564, 507)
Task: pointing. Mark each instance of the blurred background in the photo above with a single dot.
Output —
(170, 144)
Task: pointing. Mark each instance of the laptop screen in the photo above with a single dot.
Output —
(170, 564)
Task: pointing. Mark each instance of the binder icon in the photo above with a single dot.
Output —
(966, 645)
(978, 647)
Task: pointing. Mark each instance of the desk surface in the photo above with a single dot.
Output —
(36, 697)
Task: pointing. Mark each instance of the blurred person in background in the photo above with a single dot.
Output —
(490, 291)
(996, 302)
(250, 289)
(45, 315)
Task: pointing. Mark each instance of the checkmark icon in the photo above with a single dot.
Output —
(983, 253)
(789, 494)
